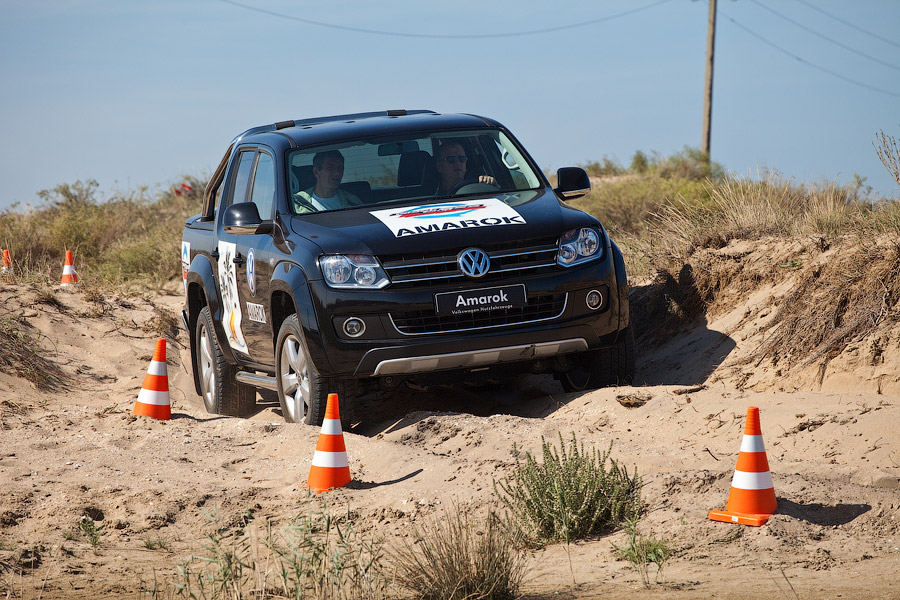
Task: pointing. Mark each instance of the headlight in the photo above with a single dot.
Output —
(353, 271)
(579, 245)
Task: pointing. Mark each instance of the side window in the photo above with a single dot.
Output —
(213, 192)
(242, 177)
(263, 194)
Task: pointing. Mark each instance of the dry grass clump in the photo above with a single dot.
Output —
(314, 555)
(745, 209)
(22, 355)
(835, 304)
(456, 559)
(697, 266)
(888, 150)
(163, 323)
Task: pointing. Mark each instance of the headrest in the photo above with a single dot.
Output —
(304, 176)
(360, 189)
(411, 169)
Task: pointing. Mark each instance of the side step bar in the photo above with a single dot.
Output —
(257, 380)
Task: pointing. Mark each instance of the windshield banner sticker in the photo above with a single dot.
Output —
(448, 216)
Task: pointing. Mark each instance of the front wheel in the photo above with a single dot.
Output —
(222, 395)
(604, 367)
(302, 392)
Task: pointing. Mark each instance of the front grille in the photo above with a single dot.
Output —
(426, 269)
(422, 322)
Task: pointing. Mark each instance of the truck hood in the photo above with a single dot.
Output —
(470, 220)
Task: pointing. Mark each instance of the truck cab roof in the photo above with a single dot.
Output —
(317, 130)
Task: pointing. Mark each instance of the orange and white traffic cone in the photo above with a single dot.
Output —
(330, 468)
(7, 264)
(153, 399)
(69, 276)
(752, 498)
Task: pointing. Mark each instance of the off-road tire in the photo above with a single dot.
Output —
(604, 367)
(302, 392)
(221, 394)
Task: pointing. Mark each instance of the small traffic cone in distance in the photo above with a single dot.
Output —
(153, 399)
(330, 468)
(69, 276)
(7, 264)
(752, 497)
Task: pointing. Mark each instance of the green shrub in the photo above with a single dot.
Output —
(639, 163)
(455, 559)
(690, 163)
(608, 167)
(572, 494)
(642, 551)
(126, 237)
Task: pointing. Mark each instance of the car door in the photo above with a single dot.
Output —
(245, 263)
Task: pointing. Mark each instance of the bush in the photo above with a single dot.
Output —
(126, 237)
(608, 167)
(571, 495)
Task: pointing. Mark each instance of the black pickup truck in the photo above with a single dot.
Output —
(346, 253)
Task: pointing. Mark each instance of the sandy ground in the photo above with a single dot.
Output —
(831, 442)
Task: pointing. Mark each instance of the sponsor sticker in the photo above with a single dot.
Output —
(256, 312)
(448, 216)
(480, 301)
(185, 263)
(251, 273)
(231, 306)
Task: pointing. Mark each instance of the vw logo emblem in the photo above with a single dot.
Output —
(474, 262)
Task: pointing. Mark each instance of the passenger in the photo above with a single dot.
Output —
(451, 167)
(328, 169)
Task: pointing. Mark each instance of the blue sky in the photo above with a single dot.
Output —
(141, 93)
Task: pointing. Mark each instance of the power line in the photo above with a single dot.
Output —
(849, 24)
(806, 62)
(447, 35)
(824, 37)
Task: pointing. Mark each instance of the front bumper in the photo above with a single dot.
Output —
(475, 359)
(568, 325)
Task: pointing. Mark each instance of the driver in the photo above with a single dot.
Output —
(451, 167)
(328, 169)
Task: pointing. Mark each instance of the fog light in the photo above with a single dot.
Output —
(354, 327)
(594, 299)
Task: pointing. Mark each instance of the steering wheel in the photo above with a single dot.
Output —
(305, 204)
(472, 187)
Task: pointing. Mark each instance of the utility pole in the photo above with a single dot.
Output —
(707, 97)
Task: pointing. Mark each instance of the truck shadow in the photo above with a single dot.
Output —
(674, 344)
(529, 396)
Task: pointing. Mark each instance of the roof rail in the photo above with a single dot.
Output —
(333, 119)
(363, 115)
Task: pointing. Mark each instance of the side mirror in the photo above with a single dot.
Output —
(572, 182)
(241, 219)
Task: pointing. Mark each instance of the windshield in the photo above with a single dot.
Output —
(416, 167)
